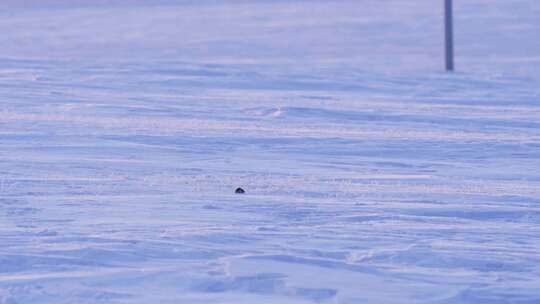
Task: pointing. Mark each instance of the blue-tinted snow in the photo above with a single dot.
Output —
(371, 176)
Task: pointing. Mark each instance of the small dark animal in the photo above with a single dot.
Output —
(239, 191)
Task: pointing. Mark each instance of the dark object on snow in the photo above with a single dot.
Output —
(239, 191)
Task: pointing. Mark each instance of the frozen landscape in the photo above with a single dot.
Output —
(371, 175)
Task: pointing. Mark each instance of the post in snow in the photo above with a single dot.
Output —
(449, 35)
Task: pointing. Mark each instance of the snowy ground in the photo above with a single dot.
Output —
(371, 176)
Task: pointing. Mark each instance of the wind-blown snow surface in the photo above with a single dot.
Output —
(371, 176)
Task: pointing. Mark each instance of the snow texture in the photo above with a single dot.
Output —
(371, 176)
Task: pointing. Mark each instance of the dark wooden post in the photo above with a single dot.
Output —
(449, 35)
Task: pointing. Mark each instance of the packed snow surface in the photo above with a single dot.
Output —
(371, 175)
